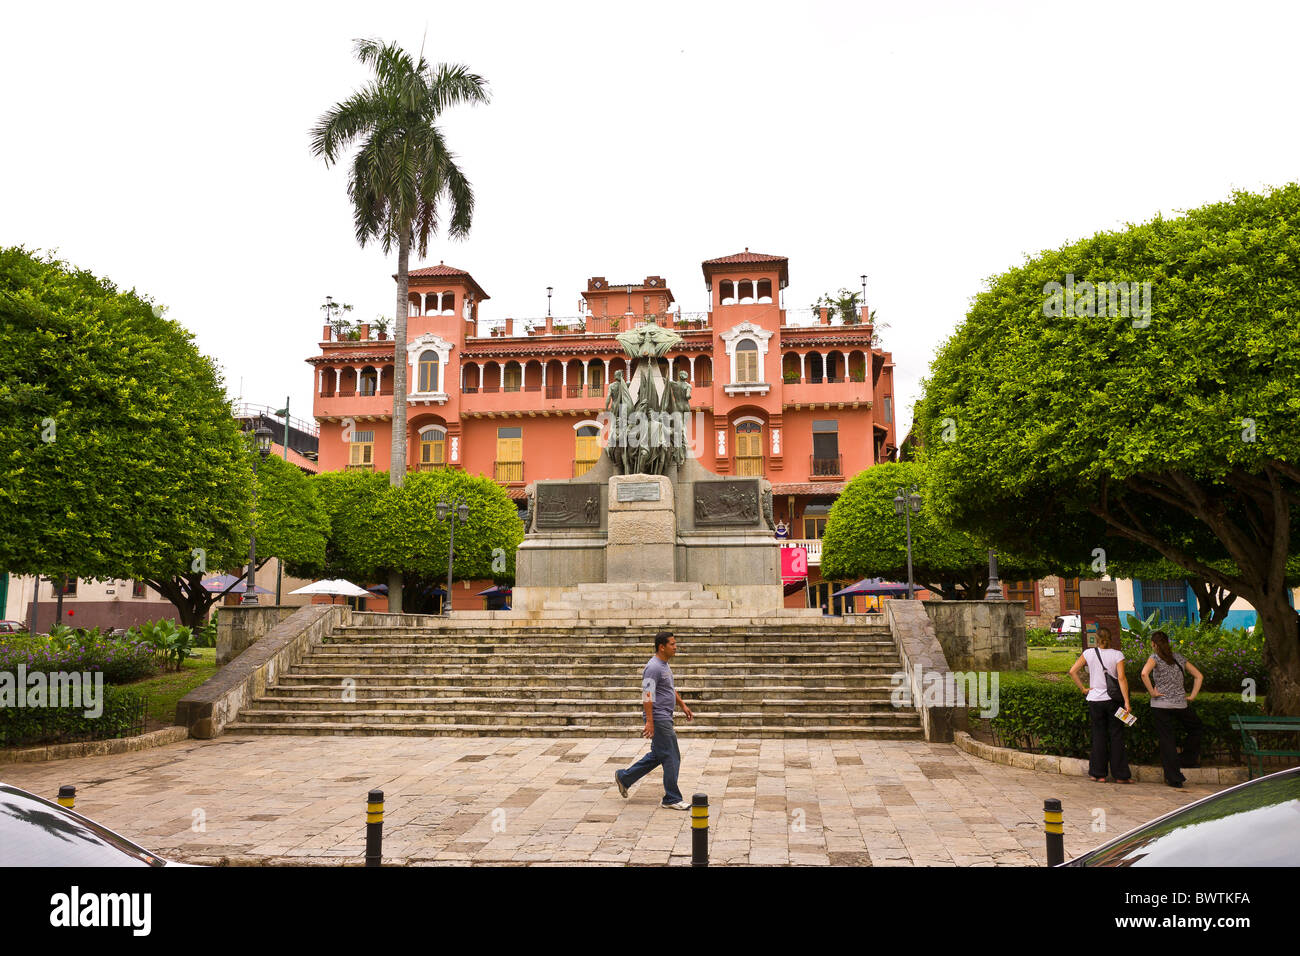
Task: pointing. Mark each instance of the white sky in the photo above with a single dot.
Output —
(930, 145)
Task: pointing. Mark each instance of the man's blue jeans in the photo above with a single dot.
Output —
(663, 750)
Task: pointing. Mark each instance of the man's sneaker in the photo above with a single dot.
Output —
(679, 805)
(618, 781)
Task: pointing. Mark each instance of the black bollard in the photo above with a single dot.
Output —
(1054, 826)
(700, 830)
(68, 797)
(375, 828)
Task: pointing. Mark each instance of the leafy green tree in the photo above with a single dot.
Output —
(864, 538)
(400, 174)
(1076, 401)
(376, 528)
(120, 455)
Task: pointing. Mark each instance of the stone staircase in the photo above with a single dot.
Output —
(572, 668)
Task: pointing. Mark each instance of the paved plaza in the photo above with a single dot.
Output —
(458, 800)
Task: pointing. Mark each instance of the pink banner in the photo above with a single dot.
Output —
(794, 564)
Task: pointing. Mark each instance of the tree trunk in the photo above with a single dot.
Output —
(188, 595)
(1281, 652)
(1212, 601)
(397, 463)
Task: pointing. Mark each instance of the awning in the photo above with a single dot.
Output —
(794, 587)
(872, 586)
(495, 590)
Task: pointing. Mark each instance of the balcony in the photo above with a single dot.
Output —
(813, 546)
(508, 472)
(825, 391)
(832, 467)
(342, 406)
(591, 325)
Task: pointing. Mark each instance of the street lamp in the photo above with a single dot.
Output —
(548, 299)
(994, 591)
(456, 508)
(907, 503)
(263, 438)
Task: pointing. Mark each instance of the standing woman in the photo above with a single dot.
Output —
(1164, 675)
(1107, 729)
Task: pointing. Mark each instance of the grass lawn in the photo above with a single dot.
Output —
(165, 689)
(1052, 660)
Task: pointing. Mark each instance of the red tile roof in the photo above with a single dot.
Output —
(808, 487)
(442, 270)
(747, 258)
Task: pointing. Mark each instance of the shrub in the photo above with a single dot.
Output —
(206, 636)
(1226, 656)
(171, 644)
(1042, 637)
(123, 716)
(120, 659)
(1052, 718)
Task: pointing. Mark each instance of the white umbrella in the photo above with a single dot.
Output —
(333, 586)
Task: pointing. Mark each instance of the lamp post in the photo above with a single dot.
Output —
(263, 437)
(994, 591)
(906, 503)
(456, 508)
(549, 289)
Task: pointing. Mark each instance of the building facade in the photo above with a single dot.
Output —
(802, 398)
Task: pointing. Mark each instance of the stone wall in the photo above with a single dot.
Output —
(922, 655)
(980, 635)
(239, 626)
(207, 709)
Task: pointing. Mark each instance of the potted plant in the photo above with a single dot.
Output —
(792, 378)
(381, 324)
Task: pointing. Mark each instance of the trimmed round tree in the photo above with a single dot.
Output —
(1142, 384)
(120, 456)
(864, 538)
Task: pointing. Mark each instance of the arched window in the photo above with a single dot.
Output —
(764, 291)
(448, 303)
(369, 383)
(749, 449)
(429, 371)
(726, 292)
(747, 361)
(433, 448)
(514, 377)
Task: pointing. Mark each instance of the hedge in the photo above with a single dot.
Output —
(1052, 718)
(123, 716)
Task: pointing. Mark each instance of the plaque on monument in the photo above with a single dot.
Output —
(638, 491)
(729, 501)
(564, 505)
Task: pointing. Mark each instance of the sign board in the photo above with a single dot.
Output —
(638, 491)
(1099, 607)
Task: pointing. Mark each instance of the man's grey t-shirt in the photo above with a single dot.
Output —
(657, 679)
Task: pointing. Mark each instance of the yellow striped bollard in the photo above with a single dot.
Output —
(68, 797)
(700, 830)
(1054, 827)
(375, 828)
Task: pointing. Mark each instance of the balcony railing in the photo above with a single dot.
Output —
(432, 465)
(583, 465)
(832, 467)
(813, 545)
(595, 390)
(508, 471)
(366, 467)
(554, 391)
(573, 391)
(749, 467)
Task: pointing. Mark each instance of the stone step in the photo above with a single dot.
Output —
(259, 713)
(622, 705)
(640, 637)
(555, 683)
(880, 691)
(397, 654)
(610, 672)
(736, 730)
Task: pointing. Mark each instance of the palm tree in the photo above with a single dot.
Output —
(399, 175)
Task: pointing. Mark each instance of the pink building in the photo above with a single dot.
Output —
(800, 398)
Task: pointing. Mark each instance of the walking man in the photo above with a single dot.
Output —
(659, 698)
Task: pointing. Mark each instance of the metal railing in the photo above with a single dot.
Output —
(826, 467)
(508, 471)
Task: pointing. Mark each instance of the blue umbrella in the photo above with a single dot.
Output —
(872, 586)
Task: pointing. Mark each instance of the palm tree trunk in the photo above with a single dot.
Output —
(397, 463)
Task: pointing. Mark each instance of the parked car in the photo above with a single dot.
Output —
(36, 832)
(1065, 624)
(13, 627)
(1251, 824)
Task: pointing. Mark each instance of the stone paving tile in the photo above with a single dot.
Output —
(519, 801)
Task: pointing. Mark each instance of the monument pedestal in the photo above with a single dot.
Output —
(642, 535)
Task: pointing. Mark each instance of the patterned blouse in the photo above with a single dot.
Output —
(1169, 680)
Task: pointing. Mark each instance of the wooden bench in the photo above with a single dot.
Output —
(1251, 725)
